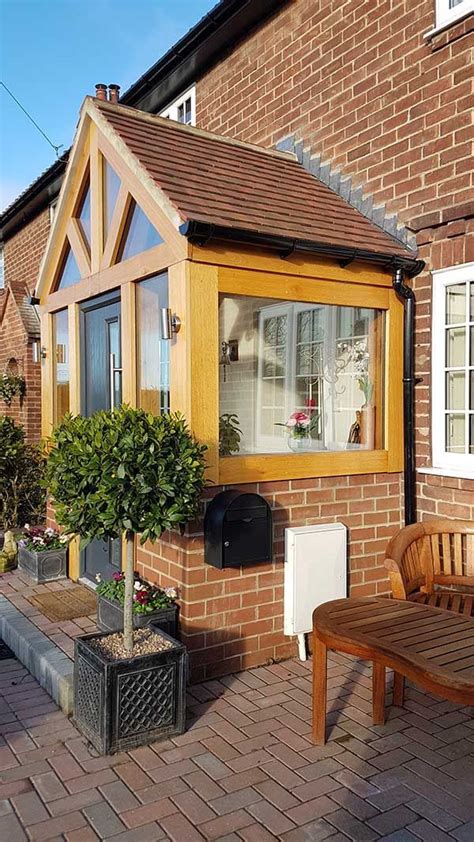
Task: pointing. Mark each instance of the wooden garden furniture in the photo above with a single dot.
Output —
(432, 563)
(432, 647)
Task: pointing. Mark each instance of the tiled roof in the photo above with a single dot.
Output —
(212, 179)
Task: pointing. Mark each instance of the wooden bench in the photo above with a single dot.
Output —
(432, 647)
(433, 563)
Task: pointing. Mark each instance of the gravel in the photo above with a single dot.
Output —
(145, 642)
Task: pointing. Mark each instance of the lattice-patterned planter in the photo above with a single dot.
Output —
(119, 705)
(110, 617)
(46, 566)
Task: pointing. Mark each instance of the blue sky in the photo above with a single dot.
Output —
(52, 54)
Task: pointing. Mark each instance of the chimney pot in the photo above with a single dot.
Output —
(114, 93)
(101, 92)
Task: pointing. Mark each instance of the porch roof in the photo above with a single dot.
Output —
(219, 185)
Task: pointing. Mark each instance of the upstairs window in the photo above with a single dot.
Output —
(2, 269)
(453, 369)
(183, 109)
(448, 11)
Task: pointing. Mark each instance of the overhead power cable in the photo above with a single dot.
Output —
(56, 148)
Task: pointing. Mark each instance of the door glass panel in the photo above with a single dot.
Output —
(153, 373)
(69, 273)
(139, 235)
(455, 433)
(85, 216)
(455, 346)
(455, 390)
(61, 365)
(455, 304)
(111, 185)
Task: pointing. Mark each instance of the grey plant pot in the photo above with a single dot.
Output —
(119, 705)
(45, 566)
(110, 617)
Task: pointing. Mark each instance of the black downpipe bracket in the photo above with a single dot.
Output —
(408, 297)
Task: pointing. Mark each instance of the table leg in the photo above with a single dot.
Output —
(398, 689)
(378, 693)
(319, 691)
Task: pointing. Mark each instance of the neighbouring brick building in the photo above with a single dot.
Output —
(375, 99)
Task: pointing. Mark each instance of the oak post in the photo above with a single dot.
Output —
(378, 693)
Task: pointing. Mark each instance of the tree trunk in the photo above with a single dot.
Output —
(128, 603)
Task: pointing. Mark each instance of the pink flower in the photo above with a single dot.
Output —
(117, 577)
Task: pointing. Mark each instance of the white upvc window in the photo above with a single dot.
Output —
(452, 374)
(2, 269)
(182, 109)
(448, 11)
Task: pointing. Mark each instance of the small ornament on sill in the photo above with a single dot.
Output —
(299, 426)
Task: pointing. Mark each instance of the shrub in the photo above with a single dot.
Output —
(22, 469)
(124, 471)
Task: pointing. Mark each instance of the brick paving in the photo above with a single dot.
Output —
(245, 769)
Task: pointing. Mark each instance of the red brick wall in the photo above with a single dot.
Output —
(232, 619)
(23, 253)
(362, 87)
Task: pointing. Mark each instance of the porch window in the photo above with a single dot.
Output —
(69, 273)
(153, 361)
(61, 365)
(139, 234)
(281, 358)
(111, 187)
(453, 368)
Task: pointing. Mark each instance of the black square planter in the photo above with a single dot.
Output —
(110, 617)
(119, 705)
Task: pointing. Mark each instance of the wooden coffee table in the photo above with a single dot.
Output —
(432, 647)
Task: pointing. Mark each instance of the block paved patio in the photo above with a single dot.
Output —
(245, 769)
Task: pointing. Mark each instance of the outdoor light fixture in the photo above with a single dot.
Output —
(33, 300)
(170, 324)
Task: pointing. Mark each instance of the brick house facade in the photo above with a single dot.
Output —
(386, 114)
(19, 321)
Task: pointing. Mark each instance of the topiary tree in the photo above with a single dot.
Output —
(22, 492)
(124, 471)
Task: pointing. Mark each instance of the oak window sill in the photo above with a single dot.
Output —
(273, 467)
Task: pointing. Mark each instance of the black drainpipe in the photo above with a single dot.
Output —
(409, 381)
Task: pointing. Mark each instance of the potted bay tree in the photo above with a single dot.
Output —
(125, 472)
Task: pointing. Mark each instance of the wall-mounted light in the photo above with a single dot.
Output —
(170, 323)
(33, 300)
(38, 353)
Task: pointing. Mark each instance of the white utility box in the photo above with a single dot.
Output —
(315, 572)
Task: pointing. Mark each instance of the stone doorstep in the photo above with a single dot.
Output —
(51, 667)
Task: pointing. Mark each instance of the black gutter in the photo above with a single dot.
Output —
(34, 199)
(406, 294)
(199, 233)
(215, 35)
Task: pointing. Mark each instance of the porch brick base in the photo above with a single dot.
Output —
(233, 619)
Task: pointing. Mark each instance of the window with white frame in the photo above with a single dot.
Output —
(448, 11)
(2, 269)
(183, 109)
(452, 373)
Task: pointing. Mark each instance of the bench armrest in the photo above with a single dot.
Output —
(397, 581)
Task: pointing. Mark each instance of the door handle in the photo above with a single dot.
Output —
(113, 370)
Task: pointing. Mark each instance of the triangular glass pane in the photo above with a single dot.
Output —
(69, 273)
(139, 235)
(85, 215)
(111, 188)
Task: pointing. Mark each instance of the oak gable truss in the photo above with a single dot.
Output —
(83, 256)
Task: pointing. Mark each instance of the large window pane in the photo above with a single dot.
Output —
(69, 272)
(324, 362)
(61, 364)
(152, 351)
(111, 187)
(459, 368)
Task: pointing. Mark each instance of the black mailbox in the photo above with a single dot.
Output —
(238, 530)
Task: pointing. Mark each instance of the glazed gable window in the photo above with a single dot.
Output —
(453, 368)
(448, 11)
(182, 109)
(300, 377)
